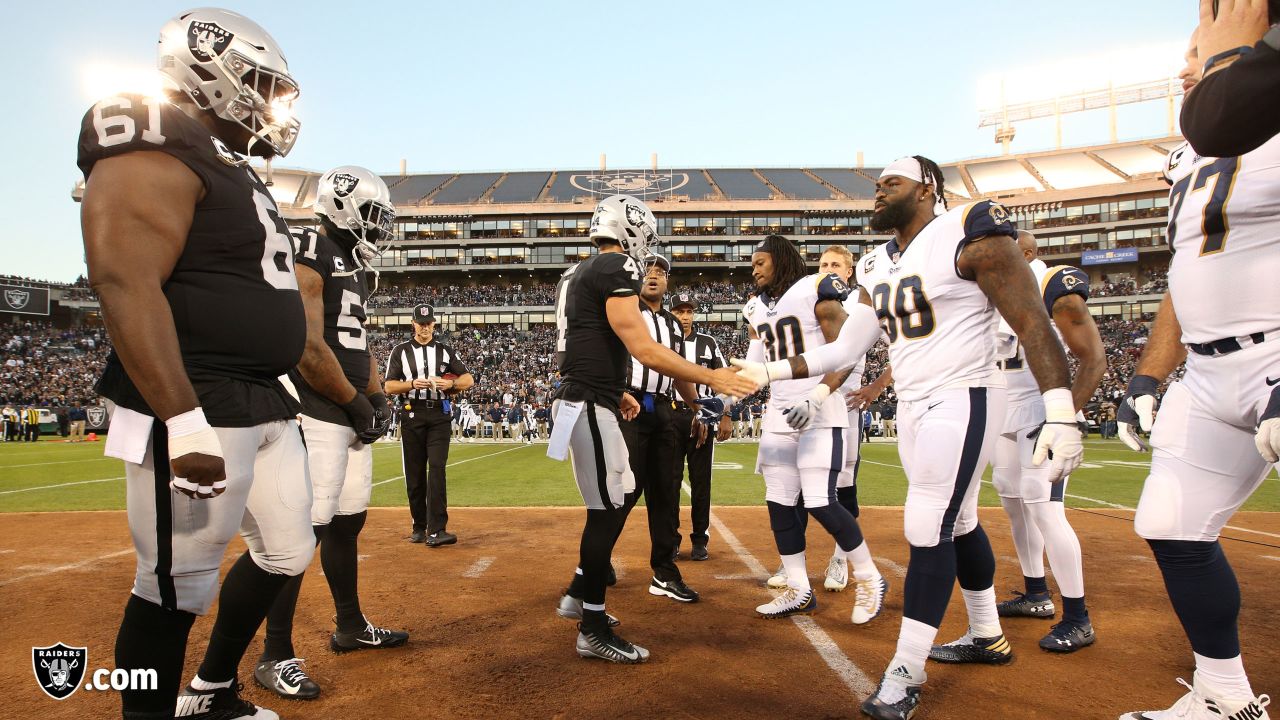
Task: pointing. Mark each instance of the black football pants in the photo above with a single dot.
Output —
(424, 444)
(699, 460)
(651, 445)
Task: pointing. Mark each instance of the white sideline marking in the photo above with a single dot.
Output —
(59, 485)
(55, 462)
(1264, 557)
(1117, 506)
(478, 567)
(844, 668)
(739, 576)
(478, 457)
(82, 565)
(895, 567)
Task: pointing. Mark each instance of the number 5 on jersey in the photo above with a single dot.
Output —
(909, 313)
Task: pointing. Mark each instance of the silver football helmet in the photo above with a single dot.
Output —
(628, 222)
(228, 64)
(358, 201)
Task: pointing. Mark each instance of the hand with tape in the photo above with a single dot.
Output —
(381, 419)
(800, 415)
(1137, 410)
(195, 456)
(1059, 439)
(1268, 437)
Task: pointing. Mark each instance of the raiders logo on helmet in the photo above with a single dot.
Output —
(344, 184)
(635, 216)
(207, 40)
(999, 214)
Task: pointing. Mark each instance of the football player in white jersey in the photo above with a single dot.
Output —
(935, 290)
(803, 444)
(1218, 431)
(1037, 516)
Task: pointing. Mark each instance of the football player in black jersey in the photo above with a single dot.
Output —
(194, 267)
(344, 411)
(598, 322)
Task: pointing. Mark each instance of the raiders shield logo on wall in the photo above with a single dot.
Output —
(17, 299)
(59, 669)
(207, 40)
(97, 415)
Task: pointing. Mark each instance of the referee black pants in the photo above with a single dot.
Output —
(699, 461)
(424, 447)
(651, 445)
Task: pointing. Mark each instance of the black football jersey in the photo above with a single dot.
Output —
(233, 292)
(344, 315)
(592, 359)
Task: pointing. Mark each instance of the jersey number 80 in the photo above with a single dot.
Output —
(910, 312)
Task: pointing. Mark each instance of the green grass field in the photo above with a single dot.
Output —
(53, 476)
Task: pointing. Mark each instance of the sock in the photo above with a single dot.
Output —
(1061, 545)
(864, 568)
(598, 536)
(848, 499)
(1074, 611)
(1036, 585)
(1204, 593)
(1224, 676)
(915, 639)
(339, 556)
(278, 643)
(797, 571)
(594, 620)
(247, 594)
(152, 637)
(200, 683)
(1027, 541)
(575, 585)
(984, 621)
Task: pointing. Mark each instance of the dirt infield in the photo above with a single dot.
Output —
(486, 642)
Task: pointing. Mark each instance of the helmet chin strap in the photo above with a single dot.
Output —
(362, 251)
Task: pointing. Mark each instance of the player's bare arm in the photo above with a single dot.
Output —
(872, 391)
(1080, 333)
(628, 325)
(375, 378)
(319, 366)
(997, 265)
(136, 214)
(1164, 350)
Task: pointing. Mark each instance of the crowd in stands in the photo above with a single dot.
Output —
(523, 295)
(78, 290)
(1157, 282)
(47, 367)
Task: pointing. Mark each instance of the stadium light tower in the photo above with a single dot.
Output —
(1099, 82)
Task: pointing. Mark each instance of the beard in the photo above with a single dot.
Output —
(893, 217)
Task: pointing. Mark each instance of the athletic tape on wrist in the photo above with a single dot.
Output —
(190, 432)
(1059, 407)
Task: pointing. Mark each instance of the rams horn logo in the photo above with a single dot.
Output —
(344, 184)
(999, 215)
(59, 669)
(17, 299)
(1070, 281)
(207, 40)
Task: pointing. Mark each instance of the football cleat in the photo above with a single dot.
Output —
(1068, 637)
(570, 608)
(869, 600)
(1198, 705)
(896, 697)
(837, 575)
(790, 602)
(371, 637)
(1024, 605)
(286, 678)
(606, 645)
(778, 580)
(219, 704)
(969, 649)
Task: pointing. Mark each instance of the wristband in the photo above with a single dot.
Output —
(1224, 56)
(819, 393)
(1272, 38)
(190, 432)
(1059, 407)
(1143, 385)
(778, 370)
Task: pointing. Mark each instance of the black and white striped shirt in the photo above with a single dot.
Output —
(665, 329)
(702, 349)
(411, 360)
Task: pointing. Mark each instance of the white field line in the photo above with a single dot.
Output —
(478, 567)
(1117, 506)
(460, 462)
(895, 567)
(844, 668)
(82, 565)
(54, 462)
(59, 485)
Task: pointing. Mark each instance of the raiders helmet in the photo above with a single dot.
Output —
(628, 222)
(229, 65)
(358, 201)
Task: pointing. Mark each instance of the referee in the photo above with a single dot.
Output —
(423, 372)
(699, 349)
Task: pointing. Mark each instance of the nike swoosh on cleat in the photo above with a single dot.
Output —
(375, 641)
(1271, 382)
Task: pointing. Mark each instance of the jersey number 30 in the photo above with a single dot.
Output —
(909, 313)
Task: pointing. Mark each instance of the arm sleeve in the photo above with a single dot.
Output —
(1061, 282)
(755, 351)
(858, 334)
(1237, 109)
(831, 287)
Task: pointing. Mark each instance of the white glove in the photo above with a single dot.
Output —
(799, 416)
(1059, 437)
(1268, 437)
(763, 373)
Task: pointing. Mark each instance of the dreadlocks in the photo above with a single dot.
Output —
(932, 175)
(788, 264)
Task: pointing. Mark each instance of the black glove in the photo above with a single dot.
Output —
(710, 410)
(381, 419)
(359, 413)
(1136, 411)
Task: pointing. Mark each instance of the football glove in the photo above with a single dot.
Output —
(381, 419)
(1137, 410)
(359, 413)
(710, 410)
(1268, 437)
(799, 416)
(1059, 438)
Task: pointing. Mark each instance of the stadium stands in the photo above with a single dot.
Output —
(797, 184)
(465, 188)
(520, 187)
(740, 184)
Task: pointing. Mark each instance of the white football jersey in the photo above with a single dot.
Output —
(787, 327)
(941, 327)
(1223, 233)
(1055, 282)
